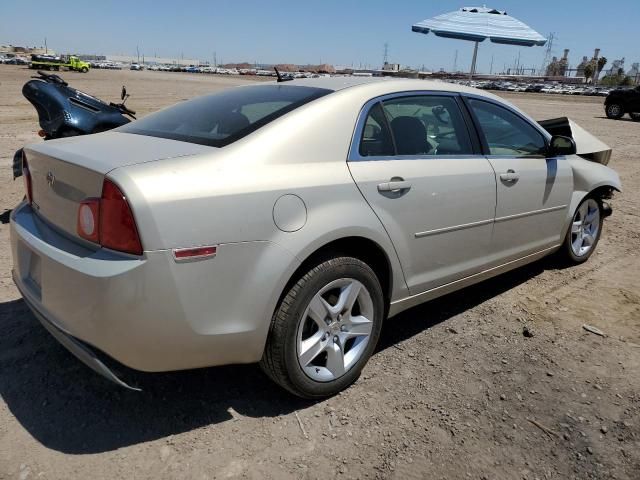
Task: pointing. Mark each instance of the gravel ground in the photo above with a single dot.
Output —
(455, 390)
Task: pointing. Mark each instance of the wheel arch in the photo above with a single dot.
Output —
(362, 248)
(603, 191)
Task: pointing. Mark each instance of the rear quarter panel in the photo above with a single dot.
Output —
(228, 196)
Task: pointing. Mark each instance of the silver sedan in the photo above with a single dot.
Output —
(282, 223)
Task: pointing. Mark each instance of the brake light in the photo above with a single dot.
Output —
(108, 221)
(26, 174)
(117, 226)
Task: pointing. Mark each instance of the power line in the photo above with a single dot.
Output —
(547, 54)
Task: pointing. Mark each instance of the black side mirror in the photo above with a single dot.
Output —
(123, 94)
(561, 145)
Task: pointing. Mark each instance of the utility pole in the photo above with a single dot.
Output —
(138, 51)
(385, 58)
(491, 68)
(46, 50)
(455, 62)
(473, 62)
(215, 59)
(594, 82)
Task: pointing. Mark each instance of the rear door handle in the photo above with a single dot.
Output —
(395, 186)
(510, 176)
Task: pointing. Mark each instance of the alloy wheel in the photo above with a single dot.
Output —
(615, 110)
(335, 329)
(584, 227)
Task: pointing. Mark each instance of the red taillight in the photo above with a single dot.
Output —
(117, 226)
(109, 221)
(26, 174)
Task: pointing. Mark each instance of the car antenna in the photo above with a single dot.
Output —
(280, 77)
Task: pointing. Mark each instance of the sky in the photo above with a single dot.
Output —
(314, 31)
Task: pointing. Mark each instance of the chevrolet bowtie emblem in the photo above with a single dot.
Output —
(51, 179)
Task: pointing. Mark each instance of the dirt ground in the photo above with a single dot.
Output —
(455, 390)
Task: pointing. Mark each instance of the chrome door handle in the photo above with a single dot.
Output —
(510, 176)
(395, 186)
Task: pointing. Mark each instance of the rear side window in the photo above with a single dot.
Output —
(222, 118)
(376, 137)
(506, 133)
(427, 125)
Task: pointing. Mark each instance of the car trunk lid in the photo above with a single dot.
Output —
(65, 172)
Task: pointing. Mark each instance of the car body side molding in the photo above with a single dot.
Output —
(399, 306)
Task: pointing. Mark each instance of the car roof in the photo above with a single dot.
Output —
(388, 83)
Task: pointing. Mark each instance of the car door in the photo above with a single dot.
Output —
(423, 175)
(533, 190)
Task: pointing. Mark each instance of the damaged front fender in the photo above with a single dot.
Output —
(587, 146)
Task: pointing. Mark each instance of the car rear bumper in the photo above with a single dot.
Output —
(84, 353)
(149, 313)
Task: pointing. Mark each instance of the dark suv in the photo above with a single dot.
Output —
(621, 101)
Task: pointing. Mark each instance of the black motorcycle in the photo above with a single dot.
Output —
(66, 112)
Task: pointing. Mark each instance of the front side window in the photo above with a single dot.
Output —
(506, 133)
(222, 118)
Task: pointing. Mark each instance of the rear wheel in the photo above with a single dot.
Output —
(584, 231)
(614, 110)
(325, 328)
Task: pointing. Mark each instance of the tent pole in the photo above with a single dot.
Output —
(473, 62)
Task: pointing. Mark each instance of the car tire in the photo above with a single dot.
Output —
(84, 69)
(584, 231)
(635, 116)
(614, 110)
(303, 350)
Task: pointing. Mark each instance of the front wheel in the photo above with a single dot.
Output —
(325, 328)
(84, 69)
(614, 111)
(584, 231)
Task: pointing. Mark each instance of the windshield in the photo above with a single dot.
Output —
(222, 118)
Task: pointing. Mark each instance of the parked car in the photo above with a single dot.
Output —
(621, 101)
(281, 223)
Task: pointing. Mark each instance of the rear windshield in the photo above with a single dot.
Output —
(222, 118)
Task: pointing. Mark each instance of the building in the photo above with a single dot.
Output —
(634, 73)
(617, 66)
(391, 67)
(17, 51)
(582, 66)
(558, 68)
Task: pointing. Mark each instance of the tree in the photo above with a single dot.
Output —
(602, 61)
(588, 71)
(627, 81)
